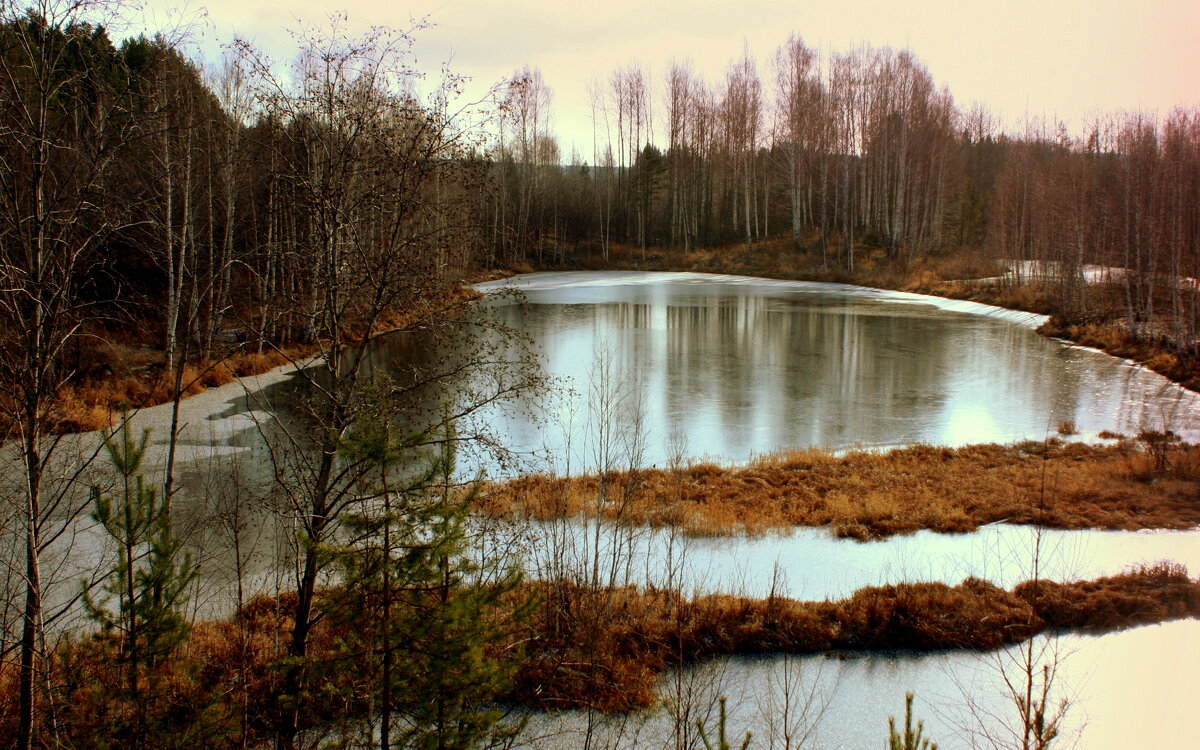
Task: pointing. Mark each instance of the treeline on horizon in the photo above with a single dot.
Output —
(852, 155)
(223, 197)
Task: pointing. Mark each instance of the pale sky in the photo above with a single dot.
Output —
(1054, 58)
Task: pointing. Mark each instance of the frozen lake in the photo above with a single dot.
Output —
(721, 367)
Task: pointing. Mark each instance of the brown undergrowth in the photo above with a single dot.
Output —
(868, 495)
(777, 258)
(115, 369)
(90, 403)
(597, 648)
(1116, 340)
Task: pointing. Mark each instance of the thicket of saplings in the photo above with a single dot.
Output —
(164, 227)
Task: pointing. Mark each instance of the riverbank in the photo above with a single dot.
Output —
(1128, 484)
(117, 370)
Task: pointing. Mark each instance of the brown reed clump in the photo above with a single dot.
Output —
(600, 648)
(1144, 595)
(606, 648)
(864, 495)
(932, 616)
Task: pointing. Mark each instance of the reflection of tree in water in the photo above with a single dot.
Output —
(797, 374)
(739, 370)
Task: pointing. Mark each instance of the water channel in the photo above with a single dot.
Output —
(652, 368)
(659, 367)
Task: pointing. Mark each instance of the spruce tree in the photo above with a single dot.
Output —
(723, 742)
(147, 585)
(910, 739)
(423, 614)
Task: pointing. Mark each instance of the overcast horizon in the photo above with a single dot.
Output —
(1059, 60)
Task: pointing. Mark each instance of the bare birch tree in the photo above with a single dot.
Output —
(60, 133)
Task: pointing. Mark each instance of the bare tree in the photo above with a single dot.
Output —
(60, 136)
(800, 95)
(384, 198)
(528, 155)
(742, 113)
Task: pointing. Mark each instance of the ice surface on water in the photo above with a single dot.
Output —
(574, 279)
(727, 367)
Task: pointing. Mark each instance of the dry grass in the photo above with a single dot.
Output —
(1140, 596)
(606, 649)
(90, 404)
(113, 370)
(864, 495)
(1027, 297)
(1147, 595)
(251, 363)
(598, 648)
(1113, 338)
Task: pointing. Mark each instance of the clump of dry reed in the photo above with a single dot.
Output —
(1144, 595)
(865, 495)
(601, 648)
(606, 648)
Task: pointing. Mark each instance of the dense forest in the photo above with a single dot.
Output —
(167, 225)
(857, 156)
(225, 201)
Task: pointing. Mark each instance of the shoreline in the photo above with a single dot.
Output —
(221, 374)
(773, 265)
(726, 499)
(92, 403)
(543, 280)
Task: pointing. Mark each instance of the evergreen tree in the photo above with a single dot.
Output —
(148, 581)
(423, 614)
(911, 739)
(723, 742)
